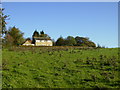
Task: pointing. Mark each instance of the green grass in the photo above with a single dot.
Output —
(66, 68)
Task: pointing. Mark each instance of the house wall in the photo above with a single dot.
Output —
(44, 43)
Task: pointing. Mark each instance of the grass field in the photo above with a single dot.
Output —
(27, 67)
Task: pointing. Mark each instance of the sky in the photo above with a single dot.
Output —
(96, 20)
(60, 0)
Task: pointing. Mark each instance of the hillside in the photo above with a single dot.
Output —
(60, 68)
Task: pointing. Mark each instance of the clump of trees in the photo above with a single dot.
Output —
(77, 41)
(13, 37)
(69, 41)
(41, 34)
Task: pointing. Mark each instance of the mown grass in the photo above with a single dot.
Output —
(60, 68)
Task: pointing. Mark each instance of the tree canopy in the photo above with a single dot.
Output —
(14, 36)
(70, 41)
(60, 41)
(36, 33)
(41, 34)
(84, 41)
(77, 41)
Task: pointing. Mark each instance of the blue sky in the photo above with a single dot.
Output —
(96, 20)
(60, 0)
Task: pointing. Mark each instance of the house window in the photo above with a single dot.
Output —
(48, 40)
(37, 40)
(42, 40)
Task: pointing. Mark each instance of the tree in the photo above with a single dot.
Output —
(16, 36)
(8, 40)
(79, 41)
(70, 41)
(3, 23)
(60, 41)
(35, 34)
(84, 41)
(42, 34)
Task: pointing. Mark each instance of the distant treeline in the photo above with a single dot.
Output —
(77, 41)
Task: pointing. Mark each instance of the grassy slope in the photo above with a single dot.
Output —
(61, 69)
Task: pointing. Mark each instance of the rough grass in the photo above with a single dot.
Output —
(60, 68)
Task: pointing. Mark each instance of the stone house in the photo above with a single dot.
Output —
(43, 41)
(39, 41)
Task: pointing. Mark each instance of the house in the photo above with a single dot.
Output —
(28, 43)
(42, 41)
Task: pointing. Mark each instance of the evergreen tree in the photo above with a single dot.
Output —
(42, 32)
(35, 34)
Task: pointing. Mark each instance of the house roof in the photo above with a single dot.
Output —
(30, 41)
(42, 38)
